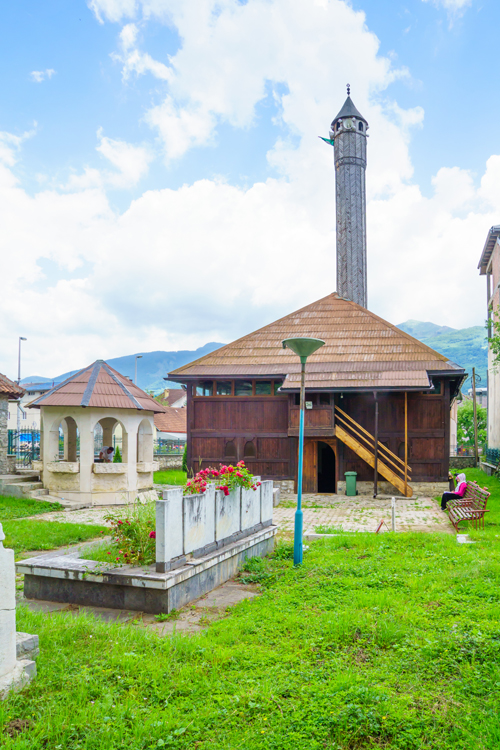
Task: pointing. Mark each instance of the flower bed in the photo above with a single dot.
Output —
(229, 478)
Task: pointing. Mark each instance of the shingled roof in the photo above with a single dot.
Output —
(361, 352)
(98, 385)
(172, 420)
(9, 388)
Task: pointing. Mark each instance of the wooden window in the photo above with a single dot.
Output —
(224, 387)
(243, 388)
(230, 450)
(437, 388)
(249, 451)
(263, 388)
(205, 388)
(324, 399)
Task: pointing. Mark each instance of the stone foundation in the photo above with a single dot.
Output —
(285, 486)
(168, 462)
(462, 462)
(420, 489)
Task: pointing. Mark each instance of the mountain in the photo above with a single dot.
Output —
(151, 368)
(467, 347)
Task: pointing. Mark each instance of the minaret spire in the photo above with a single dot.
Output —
(348, 135)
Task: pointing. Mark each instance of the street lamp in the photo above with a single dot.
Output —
(137, 356)
(303, 347)
(18, 442)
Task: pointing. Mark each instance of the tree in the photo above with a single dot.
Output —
(184, 458)
(494, 342)
(118, 456)
(465, 424)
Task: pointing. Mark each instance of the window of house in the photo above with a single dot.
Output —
(249, 451)
(437, 387)
(324, 399)
(297, 399)
(263, 388)
(224, 387)
(277, 384)
(230, 451)
(360, 126)
(243, 388)
(205, 388)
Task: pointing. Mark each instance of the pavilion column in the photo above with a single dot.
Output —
(86, 450)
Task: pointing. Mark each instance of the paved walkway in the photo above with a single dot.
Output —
(333, 513)
(336, 512)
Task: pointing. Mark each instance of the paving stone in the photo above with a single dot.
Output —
(38, 605)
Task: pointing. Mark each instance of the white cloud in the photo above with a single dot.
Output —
(41, 75)
(131, 162)
(211, 260)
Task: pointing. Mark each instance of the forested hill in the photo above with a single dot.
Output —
(467, 347)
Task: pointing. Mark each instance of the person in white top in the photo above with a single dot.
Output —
(107, 454)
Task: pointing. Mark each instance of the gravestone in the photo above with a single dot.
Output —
(14, 672)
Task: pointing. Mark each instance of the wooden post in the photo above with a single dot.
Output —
(476, 450)
(375, 477)
(406, 444)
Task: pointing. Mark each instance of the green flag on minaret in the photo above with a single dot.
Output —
(326, 140)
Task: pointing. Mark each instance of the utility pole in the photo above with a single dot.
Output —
(476, 449)
(18, 440)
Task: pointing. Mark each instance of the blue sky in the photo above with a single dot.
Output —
(163, 181)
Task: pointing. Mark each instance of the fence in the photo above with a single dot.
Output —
(25, 445)
(466, 450)
(169, 447)
(493, 456)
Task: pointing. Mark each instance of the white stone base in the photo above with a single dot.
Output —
(90, 499)
(23, 672)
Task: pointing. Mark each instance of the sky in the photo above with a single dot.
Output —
(163, 184)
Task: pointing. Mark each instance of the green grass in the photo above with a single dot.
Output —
(23, 536)
(171, 476)
(388, 641)
(18, 507)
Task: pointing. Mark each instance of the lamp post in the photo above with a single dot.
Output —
(18, 441)
(303, 347)
(137, 356)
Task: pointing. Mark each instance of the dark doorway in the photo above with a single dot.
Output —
(326, 468)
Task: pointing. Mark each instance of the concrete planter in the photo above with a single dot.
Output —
(63, 467)
(109, 468)
(37, 465)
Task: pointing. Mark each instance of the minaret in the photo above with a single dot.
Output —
(348, 133)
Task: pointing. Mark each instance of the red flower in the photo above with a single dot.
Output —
(239, 474)
(108, 553)
(240, 463)
(258, 484)
(152, 534)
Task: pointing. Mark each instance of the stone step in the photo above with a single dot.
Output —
(39, 494)
(21, 489)
(67, 504)
(26, 646)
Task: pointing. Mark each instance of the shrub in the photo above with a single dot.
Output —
(184, 459)
(134, 534)
(118, 456)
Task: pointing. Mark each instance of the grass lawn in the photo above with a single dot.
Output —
(170, 476)
(24, 536)
(388, 641)
(18, 507)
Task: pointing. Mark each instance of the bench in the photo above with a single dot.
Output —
(470, 507)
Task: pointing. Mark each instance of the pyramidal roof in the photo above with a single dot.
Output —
(13, 390)
(348, 110)
(101, 386)
(361, 351)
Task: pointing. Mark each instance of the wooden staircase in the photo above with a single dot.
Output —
(390, 466)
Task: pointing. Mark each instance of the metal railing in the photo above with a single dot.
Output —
(24, 445)
(168, 447)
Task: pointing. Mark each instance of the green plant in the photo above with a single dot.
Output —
(164, 617)
(184, 459)
(465, 423)
(118, 456)
(19, 507)
(133, 536)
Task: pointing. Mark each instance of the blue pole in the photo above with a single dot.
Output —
(297, 540)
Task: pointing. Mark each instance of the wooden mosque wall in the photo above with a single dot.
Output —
(263, 431)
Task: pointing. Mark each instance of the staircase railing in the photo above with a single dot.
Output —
(384, 455)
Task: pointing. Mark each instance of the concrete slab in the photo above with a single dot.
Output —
(225, 596)
(43, 606)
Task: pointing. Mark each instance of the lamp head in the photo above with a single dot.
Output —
(138, 356)
(21, 338)
(303, 346)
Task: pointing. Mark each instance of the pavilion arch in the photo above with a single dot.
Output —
(145, 442)
(67, 428)
(113, 433)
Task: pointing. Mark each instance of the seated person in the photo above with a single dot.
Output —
(107, 454)
(459, 491)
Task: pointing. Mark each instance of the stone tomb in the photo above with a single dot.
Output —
(201, 542)
(14, 672)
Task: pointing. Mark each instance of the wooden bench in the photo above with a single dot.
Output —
(470, 507)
